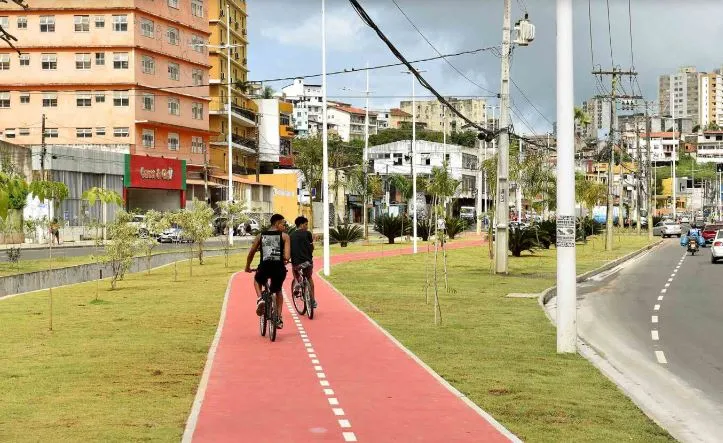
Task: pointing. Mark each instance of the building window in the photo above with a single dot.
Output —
(99, 21)
(100, 58)
(9, 132)
(174, 106)
(22, 23)
(50, 100)
(51, 132)
(149, 138)
(82, 23)
(120, 98)
(121, 132)
(83, 99)
(24, 98)
(5, 22)
(84, 132)
(148, 65)
(100, 97)
(24, 132)
(82, 61)
(100, 130)
(173, 141)
(120, 60)
(4, 99)
(197, 146)
(198, 44)
(173, 35)
(147, 27)
(4, 62)
(174, 71)
(197, 76)
(24, 59)
(49, 62)
(173, 3)
(149, 102)
(197, 111)
(47, 23)
(120, 23)
(197, 8)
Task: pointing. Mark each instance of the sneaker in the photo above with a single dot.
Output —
(313, 303)
(260, 307)
(280, 323)
(297, 290)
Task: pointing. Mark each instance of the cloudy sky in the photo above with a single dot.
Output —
(285, 40)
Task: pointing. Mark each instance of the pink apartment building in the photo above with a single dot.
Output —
(126, 76)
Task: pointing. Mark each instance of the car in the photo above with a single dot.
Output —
(139, 222)
(685, 219)
(172, 235)
(252, 223)
(710, 231)
(716, 249)
(667, 228)
(699, 222)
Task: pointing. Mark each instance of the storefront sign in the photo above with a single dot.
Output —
(154, 172)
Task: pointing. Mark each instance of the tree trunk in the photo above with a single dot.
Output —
(426, 274)
(50, 289)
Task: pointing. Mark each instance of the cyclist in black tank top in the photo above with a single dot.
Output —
(275, 248)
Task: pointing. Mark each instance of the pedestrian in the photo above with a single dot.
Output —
(55, 231)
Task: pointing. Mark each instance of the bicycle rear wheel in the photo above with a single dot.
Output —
(299, 300)
(262, 318)
(307, 299)
(273, 317)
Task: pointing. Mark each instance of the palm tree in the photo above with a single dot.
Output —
(268, 92)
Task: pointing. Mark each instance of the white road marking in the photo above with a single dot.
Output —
(667, 285)
(664, 290)
(656, 308)
(344, 423)
(310, 350)
(338, 411)
(328, 391)
(333, 401)
(312, 355)
(349, 436)
(654, 335)
(314, 362)
(321, 375)
(661, 357)
(317, 368)
(660, 298)
(324, 382)
(670, 280)
(654, 319)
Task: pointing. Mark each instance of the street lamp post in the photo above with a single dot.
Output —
(413, 160)
(325, 143)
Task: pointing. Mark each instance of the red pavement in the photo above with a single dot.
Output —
(336, 378)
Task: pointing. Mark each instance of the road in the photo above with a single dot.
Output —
(659, 322)
(34, 254)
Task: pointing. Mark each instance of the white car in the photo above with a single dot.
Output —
(716, 248)
(667, 228)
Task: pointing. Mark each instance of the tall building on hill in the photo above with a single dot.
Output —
(432, 112)
(679, 94)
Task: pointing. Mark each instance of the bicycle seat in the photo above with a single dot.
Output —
(304, 265)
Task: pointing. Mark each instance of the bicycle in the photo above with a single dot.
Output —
(303, 302)
(270, 316)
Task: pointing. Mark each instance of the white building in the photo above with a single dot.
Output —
(664, 146)
(348, 121)
(598, 110)
(307, 101)
(710, 147)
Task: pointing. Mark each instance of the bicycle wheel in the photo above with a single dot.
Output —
(307, 299)
(262, 318)
(273, 316)
(299, 300)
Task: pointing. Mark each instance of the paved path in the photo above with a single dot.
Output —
(332, 379)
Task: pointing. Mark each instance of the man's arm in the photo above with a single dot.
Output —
(311, 241)
(252, 252)
(287, 246)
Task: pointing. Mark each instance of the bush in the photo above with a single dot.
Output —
(523, 240)
(547, 233)
(391, 226)
(454, 226)
(346, 234)
(586, 227)
(424, 228)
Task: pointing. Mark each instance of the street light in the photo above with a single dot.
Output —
(325, 143)
(414, 153)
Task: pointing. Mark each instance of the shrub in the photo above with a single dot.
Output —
(523, 240)
(586, 227)
(424, 228)
(547, 233)
(391, 226)
(346, 234)
(454, 226)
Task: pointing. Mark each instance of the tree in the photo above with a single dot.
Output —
(390, 135)
(581, 118)
(712, 126)
(268, 92)
(4, 34)
(234, 213)
(308, 158)
(56, 192)
(106, 197)
(196, 223)
(156, 222)
(121, 248)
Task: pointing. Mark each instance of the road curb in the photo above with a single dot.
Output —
(549, 293)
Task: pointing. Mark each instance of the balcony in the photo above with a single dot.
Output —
(242, 116)
(248, 145)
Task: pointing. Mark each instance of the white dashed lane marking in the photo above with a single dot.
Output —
(661, 357)
(654, 334)
(654, 319)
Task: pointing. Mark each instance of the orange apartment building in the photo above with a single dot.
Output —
(119, 77)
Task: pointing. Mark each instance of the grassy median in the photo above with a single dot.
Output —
(500, 351)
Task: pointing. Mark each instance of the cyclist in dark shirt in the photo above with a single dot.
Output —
(302, 249)
(275, 247)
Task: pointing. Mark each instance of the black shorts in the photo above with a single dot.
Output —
(308, 271)
(276, 272)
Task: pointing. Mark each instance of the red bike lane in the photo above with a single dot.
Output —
(336, 378)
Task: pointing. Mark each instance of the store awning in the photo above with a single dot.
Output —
(202, 183)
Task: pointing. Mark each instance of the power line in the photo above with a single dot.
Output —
(530, 102)
(437, 51)
(610, 34)
(589, 22)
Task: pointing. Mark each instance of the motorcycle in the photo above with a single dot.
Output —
(692, 246)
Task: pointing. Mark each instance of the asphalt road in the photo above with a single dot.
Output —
(659, 322)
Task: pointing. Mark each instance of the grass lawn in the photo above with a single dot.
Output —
(500, 351)
(123, 369)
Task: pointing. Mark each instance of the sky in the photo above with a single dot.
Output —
(285, 41)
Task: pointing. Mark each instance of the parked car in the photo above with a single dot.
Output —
(698, 221)
(252, 223)
(710, 231)
(685, 219)
(172, 235)
(667, 228)
(139, 222)
(716, 249)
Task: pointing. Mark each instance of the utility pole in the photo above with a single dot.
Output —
(230, 128)
(366, 160)
(325, 143)
(412, 161)
(639, 175)
(205, 174)
(566, 260)
(518, 189)
(615, 73)
(651, 183)
(503, 186)
(42, 149)
(674, 183)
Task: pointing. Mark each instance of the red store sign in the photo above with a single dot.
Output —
(154, 172)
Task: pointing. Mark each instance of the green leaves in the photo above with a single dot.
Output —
(49, 190)
(103, 195)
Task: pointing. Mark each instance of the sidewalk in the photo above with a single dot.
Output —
(336, 378)
(91, 243)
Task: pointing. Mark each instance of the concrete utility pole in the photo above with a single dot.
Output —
(615, 73)
(230, 129)
(413, 161)
(42, 149)
(325, 143)
(674, 183)
(503, 186)
(651, 183)
(639, 175)
(566, 280)
(518, 189)
(366, 160)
